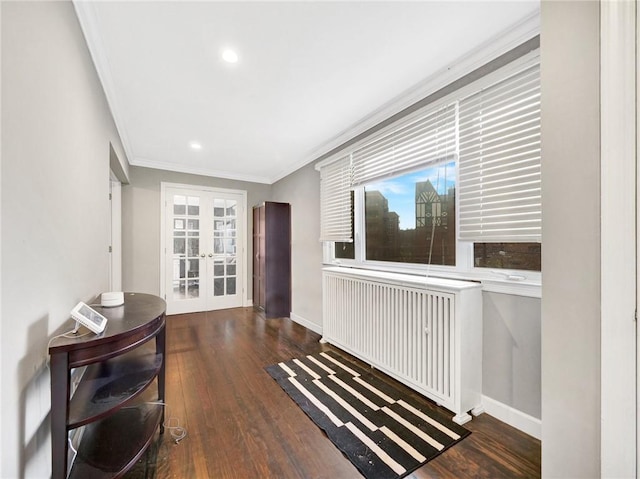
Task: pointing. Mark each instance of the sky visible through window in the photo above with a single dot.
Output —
(401, 190)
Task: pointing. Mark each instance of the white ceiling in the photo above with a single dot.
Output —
(310, 74)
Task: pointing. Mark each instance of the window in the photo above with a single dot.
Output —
(521, 256)
(411, 218)
(345, 249)
(499, 158)
(454, 186)
(337, 216)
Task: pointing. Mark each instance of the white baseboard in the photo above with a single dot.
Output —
(513, 417)
(316, 328)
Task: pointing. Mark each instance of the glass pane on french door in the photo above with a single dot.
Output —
(186, 248)
(224, 246)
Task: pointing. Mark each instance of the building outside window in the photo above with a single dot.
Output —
(411, 218)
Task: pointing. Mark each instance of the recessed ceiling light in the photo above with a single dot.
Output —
(230, 56)
(195, 145)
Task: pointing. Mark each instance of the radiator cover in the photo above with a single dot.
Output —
(424, 332)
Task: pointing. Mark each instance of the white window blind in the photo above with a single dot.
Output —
(499, 161)
(335, 201)
(429, 138)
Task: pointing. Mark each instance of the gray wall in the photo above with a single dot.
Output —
(571, 237)
(511, 351)
(302, 190)
(56, 131)
(141, 223)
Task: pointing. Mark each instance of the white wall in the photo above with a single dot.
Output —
(571, 239)
(56, 131)
(141, 223)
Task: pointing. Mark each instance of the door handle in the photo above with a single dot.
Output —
(210, 255)
(202, 255)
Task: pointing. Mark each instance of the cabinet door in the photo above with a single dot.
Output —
(256, 257)
(259, 257)
(277, 277)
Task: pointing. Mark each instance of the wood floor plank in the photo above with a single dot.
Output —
(241, 424)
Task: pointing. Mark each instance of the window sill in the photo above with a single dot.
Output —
(516, 288)
(405, 279)
(527, 288)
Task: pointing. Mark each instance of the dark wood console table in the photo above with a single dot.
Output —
(120, 365)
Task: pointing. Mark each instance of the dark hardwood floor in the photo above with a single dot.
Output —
(240, 424)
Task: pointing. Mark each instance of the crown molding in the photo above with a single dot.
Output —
(292, 169)
(89, 26)
(178, 168)
(511, 38)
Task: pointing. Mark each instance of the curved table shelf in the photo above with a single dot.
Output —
(105, 453)
(107, 386)
(119, 367)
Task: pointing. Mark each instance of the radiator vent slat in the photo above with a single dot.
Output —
(415, 334)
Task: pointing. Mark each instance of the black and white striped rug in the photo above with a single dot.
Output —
(385, 433)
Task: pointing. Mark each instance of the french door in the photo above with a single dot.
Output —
(203, 248)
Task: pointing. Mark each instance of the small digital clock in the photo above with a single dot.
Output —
(89, 317)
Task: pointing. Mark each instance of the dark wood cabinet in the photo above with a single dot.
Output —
(119, 366)
(272, 259)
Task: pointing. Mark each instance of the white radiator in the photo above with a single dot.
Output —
(426, 333)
